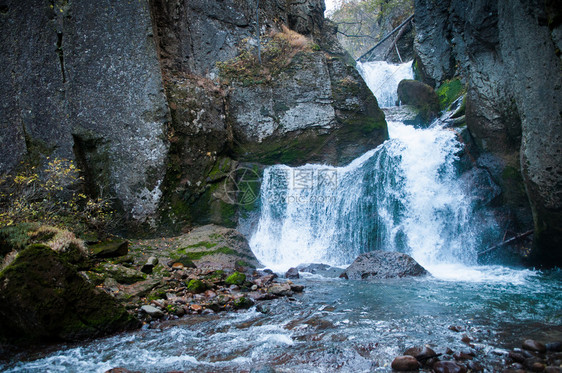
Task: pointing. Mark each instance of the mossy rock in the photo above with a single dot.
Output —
(236, 278)
(196, 286)
(449, 91)
(186, 261)
(110, 249)
(44, 299)
(121, 274)
(421, 96)
(242, 303)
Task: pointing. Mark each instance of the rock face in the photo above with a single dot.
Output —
(83, 82)
(508, 54)
(42, 298)
(133, 93)
(380, 264)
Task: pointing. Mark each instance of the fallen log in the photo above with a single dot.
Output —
(512, 239)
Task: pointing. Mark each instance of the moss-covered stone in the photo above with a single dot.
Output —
(242, 303)
(236, 278)
(42, 298)
(121, 274)
(449, 91)
(421, 96)
(196, 286)
(110, 249)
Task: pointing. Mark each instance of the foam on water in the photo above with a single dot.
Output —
(383, 78)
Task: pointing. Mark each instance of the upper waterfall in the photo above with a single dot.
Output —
(383, 78)
(406, 195)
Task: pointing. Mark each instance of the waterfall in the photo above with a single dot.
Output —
(383, 78)
(405, 195)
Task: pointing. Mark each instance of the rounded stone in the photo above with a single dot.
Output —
(532, 345)
(405, 363)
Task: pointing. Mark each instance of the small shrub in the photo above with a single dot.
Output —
(51, 196)
(278, 51)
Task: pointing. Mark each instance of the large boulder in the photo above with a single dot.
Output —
(43, 298)
(210, 247)
(421, 96)
(381, 264)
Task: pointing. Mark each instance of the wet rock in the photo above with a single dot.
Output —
(380, 264)
(280, 289)
(297, 288)
(475, 366)
(532, 345)
(516, 356)
(466, 339)
(554, 346)
(461, 356)
(120, 370)
(152, 311)
(448, 367)
(243, 303)
(423, 354)
(405, 364)
(553, 369)
(186, 262)
(456, 328)
(421, 96)
(264, 280)
(321, 269)
(292, 273)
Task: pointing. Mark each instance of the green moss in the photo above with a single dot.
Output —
(196, 255)
(448, 92)
(196, 286)
(156, 294)
(242, 303)
(243, 263)
(16, 237)
(56, 301)
(215, 276)
(236, 278)
(204, 244)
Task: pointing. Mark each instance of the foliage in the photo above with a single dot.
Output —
(277, 52)
(362, 23)
(449, 91)
(52, 196)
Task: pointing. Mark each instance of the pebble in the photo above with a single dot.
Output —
(405, 363)
(516, 356)
(532, 345)
(554, 346)
(423, 354)
(552, 369)
(196, 307)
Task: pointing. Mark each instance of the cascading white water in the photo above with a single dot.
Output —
(403, 196)
(383, 78)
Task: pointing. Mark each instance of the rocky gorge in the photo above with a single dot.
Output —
(167, 106)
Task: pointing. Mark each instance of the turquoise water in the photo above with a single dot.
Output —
(335, 325)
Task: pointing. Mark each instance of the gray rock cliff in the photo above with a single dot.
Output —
(508, 53)
(134, 93)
